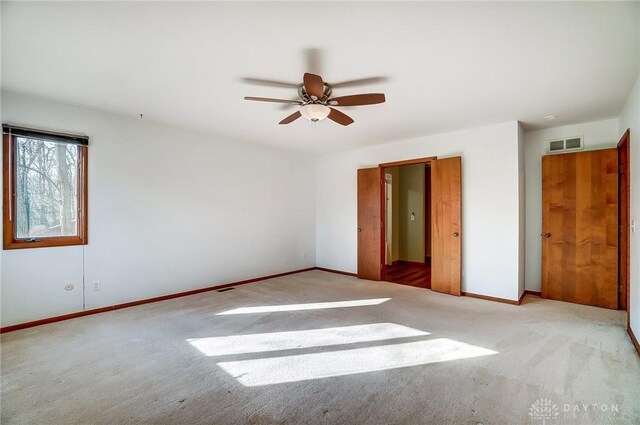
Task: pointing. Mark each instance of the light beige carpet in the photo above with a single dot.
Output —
(323, 348)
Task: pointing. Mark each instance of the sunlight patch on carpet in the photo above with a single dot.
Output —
(294, 368)
(300, 307)
(275, 341)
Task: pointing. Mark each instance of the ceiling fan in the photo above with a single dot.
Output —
(317, 104)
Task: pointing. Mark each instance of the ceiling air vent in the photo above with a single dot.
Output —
(563, 145)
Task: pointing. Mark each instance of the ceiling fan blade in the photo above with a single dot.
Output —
(358, 99)
(291, 118)
(270, 83)
(268, 99)
(339, 117)
(313, 85)
(359, 82)
(288, 106)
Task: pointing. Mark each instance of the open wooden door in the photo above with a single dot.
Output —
(446, 229)
(580, 227)
(370, 232)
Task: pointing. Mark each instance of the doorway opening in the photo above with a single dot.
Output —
(407, 221)
(443, 244)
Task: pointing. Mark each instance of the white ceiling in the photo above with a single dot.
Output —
(448, 66)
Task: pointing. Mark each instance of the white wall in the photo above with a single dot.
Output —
(490, 197)
(169, 210)
(597, 135)
(630, 119)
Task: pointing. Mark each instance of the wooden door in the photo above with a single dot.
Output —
(580, 227)
(446, 229)
(369, 223)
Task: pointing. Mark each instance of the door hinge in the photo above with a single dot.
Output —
(620, 169)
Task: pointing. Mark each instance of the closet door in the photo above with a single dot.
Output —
(580, 227)
(446, 219)
(369, 223)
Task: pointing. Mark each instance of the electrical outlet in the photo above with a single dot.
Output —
(304, 255)
(69, 287)
(97, 286)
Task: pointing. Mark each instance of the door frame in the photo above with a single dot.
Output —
(624, 222)
(427, 210)
(383, 217)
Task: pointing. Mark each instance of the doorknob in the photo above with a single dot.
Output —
(359, 230)
(456, 234)
(547, 235)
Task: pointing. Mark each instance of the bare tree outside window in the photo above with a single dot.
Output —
(46, 189)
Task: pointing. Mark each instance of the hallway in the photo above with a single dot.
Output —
(409, 273)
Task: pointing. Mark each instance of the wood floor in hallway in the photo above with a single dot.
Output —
(408, 273)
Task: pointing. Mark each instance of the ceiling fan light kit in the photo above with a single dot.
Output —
(316, 102)
(315, 111)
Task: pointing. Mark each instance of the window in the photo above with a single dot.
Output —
(45, 189)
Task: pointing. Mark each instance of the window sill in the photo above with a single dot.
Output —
(44, 243)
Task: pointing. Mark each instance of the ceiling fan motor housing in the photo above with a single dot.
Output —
(307, 99)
